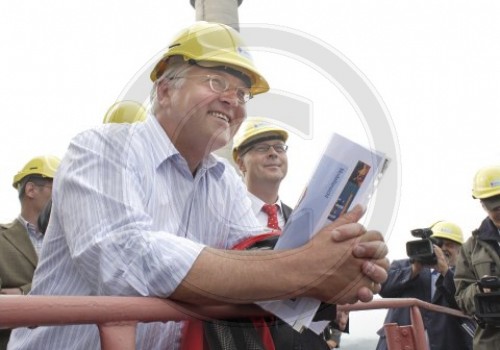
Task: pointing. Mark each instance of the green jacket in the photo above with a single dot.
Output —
(479, 256)
(18, 261)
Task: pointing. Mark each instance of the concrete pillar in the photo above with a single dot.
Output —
(222, 11)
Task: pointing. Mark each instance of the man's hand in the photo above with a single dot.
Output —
(416, 268)
(348, 263)
(442, 261)
(342, 263)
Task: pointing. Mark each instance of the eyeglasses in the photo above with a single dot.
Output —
(220, 84)
(278, 148)
(47, 184)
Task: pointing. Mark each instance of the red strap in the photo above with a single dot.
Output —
(192, 331)
(265, 334)
(192, 335)
(254, 239)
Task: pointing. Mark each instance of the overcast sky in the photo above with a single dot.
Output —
(434, 67)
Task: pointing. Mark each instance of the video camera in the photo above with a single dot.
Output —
(422, 250)
(488, 304)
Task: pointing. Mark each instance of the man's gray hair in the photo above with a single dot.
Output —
(177, 66)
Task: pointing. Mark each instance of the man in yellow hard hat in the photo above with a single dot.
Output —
(145, 209)
(429, 279)
(480, 256)
(21, 240)
(259, 150)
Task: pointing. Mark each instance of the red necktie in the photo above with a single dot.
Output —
(272, 215)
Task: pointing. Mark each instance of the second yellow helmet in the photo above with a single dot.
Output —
(486, 182)
(447, 230)
(45, 166)
(125, 112)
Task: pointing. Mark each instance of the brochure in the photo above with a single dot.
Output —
(347, 174)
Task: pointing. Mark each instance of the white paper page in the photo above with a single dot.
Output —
(346, 175)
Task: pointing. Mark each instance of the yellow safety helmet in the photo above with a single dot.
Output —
(213, 45)
(45, 166)
(447, 230)
(486, 182)
(125, 112)
(250, 131)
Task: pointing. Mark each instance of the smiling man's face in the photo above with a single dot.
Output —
(200, 117)
(259, 164)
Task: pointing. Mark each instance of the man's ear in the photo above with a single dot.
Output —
(162, 90)
(241, 164)
(29, 189)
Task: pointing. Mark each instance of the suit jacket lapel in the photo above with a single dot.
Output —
(18, 236)
(286, 210)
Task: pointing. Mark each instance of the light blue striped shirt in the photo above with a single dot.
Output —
(35, 236)
(129, 218)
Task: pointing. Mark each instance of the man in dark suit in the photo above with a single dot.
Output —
(20, 240)
(433, 284)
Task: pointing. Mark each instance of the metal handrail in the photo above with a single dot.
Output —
(117, 317)
(393, 303)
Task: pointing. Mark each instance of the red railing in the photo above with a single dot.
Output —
(117, 317)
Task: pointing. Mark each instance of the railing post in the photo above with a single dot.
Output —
(411, 337)
(117, 335)
(400, 337)
(418, 327)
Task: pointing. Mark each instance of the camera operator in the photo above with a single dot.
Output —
(479, 256)
(415, 278)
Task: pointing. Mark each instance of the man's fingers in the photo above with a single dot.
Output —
(370, 250)
(348, 231)
(365, 294)
(376, 271)
(352, 215)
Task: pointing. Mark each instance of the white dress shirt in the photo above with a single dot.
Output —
(257, 204)
(128, 218)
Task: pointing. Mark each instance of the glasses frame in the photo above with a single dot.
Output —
(242, 93)
(264, 148)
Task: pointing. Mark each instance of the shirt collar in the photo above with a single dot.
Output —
(29, 227)
(257, 203)
(164, 149)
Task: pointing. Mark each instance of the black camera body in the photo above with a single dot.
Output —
(422, 250)
(488, 304)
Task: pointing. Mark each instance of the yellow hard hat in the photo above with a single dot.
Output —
(213, 45)
(251, 128)
(447, 230)
(45, 166)
(125, 112)
(486, 182)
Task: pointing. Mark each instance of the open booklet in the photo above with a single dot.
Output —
(347, 174)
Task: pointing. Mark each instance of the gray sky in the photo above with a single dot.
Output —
(434, 66)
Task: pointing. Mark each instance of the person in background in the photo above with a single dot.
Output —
(126, 111)
(260, 152)
(21, 240)
(480, 254)
(146, 209)
(434, 284)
